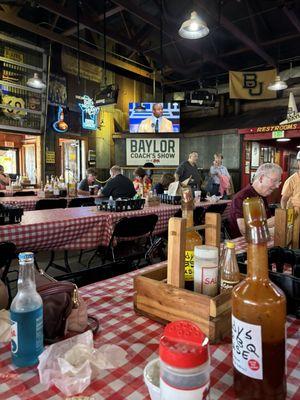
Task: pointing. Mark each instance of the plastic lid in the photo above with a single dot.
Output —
(230, 245)
(206, 252)
(183, 345)
(28, 255)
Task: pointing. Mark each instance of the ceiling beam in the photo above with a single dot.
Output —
(292, 17)
(237, 33)
(149, 19)
(56, 17)
(71, 43)
(99, 18)
(264, 44)
(141, 37)
(70, 14)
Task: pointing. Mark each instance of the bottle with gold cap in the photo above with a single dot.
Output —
(258, 318)
(229, 270)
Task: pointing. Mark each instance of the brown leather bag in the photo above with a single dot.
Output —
(3, 295)
(64, 310)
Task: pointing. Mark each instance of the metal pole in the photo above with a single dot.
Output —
(46, 114)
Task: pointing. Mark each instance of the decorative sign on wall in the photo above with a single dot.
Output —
(50, 157)
(16, 107)
(251, 85)
(89, 113)
(60, 125)
(158, 151)
(57, 90)
(87, 70)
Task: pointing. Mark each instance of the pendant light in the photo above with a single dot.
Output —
(278, 84)
(35, 82)
(193, 28)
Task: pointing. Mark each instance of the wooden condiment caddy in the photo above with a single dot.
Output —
(160, 294)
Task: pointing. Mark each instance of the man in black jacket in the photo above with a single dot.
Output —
(118, 186)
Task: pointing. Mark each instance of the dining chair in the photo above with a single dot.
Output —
(27, 193)
(8, 252)
(2, 194)
(82, 202)
(49, 204)
(130, 239)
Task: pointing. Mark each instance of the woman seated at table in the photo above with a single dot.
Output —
(4, 179)
(164, 183)
(141, 182)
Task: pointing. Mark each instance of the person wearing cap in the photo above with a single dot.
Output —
(291, 189)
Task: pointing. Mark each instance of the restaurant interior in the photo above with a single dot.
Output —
(149, 199)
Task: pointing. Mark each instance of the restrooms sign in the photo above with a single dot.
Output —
(158, 151)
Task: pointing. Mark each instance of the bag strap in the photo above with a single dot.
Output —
(93, 324)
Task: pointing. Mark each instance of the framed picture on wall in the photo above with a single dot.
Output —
(252, 176)
(255, 155)
(247, 151)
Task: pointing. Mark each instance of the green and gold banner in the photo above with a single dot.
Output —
(251, 85)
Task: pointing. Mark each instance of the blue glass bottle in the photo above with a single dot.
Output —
(26, 314)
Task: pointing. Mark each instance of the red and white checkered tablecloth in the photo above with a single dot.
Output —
(111, 301)
(9, 193)
(26, 202)
(75, 228)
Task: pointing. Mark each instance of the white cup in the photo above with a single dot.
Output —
(198, 195)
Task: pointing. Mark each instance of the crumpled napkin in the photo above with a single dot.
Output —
(4, 326)
(72, 364)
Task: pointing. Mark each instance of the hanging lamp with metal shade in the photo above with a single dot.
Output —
(193, 28)
(278, 84)
(35, 82)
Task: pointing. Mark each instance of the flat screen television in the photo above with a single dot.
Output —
(154, 117)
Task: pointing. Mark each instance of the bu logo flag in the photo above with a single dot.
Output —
(251, 85)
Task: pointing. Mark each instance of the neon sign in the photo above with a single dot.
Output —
(89, 113)
(60, 125)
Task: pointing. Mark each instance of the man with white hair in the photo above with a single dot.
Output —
(267, 178)
(118, 186)
(291, 189)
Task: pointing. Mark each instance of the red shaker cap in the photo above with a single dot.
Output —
(183, 345)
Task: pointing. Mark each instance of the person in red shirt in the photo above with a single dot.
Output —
(266, 180)
(141, 182)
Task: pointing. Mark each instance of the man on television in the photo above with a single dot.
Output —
(156, 123)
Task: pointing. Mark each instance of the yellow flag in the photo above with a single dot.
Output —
(251, 85)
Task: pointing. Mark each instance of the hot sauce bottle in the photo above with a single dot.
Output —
(192, 238)
(258, 318)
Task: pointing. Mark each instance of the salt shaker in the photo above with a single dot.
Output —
(206, 260)
(184, 362)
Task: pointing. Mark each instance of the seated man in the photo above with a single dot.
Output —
(90, 180)
(118, 186)
(266, 180)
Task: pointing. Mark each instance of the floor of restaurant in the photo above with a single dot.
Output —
(81, 274)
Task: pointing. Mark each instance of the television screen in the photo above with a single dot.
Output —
(154, 117)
